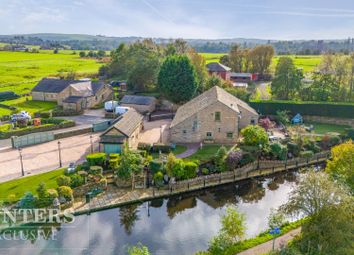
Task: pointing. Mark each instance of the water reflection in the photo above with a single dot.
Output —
(179, 225)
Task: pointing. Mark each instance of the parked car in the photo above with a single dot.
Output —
(71, 168)
(21, 115)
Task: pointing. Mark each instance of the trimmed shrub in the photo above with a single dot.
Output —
(114, 156)
(178, 169)
(190, 170)
(47, 114)
(11, 198)
(329, 141)
(144, 146)
(233, 159)
(76, 180)
(155, 166)
(96, 170)
(63, 180)
(96, 159)
(52, 193)
(205, 171)
(294, 149)
(65, 192)
(28, 201)
(157, 147)
(306, 154)
(113, 163)
(247, 158)
(278, 151)
(158, 178)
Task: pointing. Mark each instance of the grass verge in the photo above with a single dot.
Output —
(19, 187)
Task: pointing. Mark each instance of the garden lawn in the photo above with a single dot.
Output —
(4, 111)
(20, 186)
(179, 149)
(21, 71)
(30, 105)
(321, 128)
(206, 153)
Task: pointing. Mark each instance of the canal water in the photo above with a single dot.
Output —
(177, 225)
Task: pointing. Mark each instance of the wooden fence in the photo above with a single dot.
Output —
(251, 170)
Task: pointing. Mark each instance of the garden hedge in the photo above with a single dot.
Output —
(36, 129)
(339, 110)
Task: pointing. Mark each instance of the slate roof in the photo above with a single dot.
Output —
(127, 123)
(243, 75)
(112, 139)
(209, 97)
(217, 67)
(138, 100)
(50, 85)
(72, 99)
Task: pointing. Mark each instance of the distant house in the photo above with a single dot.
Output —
(214, 116)
(125, 130)
(142, 104)
(72, 94)
(215, 68)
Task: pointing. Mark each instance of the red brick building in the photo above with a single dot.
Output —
(220, 70)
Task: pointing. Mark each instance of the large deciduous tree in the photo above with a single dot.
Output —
(341, 165)
(177, 79)
(287, 80)
(261, 58)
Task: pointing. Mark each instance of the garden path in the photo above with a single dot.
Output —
(191, 149)
(267, 247)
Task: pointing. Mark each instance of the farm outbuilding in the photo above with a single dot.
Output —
(215, 68)
(126, 130)
(142, 104)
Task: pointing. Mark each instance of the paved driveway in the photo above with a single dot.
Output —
(45, 157)
(88, 118)
(152, 131)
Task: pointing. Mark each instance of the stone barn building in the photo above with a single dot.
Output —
(72, 94)
(214, 116)
(142, 104)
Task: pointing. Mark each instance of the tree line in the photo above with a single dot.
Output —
(333, 81)
(244, 60)
(174, 69)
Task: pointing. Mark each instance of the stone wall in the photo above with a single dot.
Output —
(82, 190)
(330, 120)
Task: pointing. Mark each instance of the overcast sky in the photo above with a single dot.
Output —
(265, 19)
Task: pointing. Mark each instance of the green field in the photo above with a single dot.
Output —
(212, 57)
(307, 63)
(20, 71)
